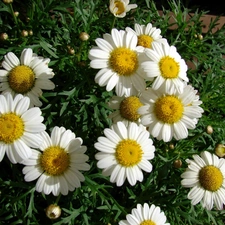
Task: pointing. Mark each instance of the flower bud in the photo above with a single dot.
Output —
(84, 36)
(4, 36)
(220, 150)
(16, 14)
(209, 129)
(177, 163)
(53, 211)
(8, 1)
(30, 32)
(200, 37)
(171, 146)
(24, 33)
(71, 50)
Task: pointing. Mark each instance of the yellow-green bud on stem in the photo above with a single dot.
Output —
(177, 163)
(209, 129)
(24, 33)
(220, 150)
(8, 1)
(84, 36)
(4, 36)
(53, 211)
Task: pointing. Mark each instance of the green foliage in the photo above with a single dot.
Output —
(79, 104)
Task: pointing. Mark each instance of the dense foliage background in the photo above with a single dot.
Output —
(78, 103)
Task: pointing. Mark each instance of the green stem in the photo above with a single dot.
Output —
(115, 202)
(57, 199)
(113, 23)
(80, 51)
(43, 98)
(196, 136)
(13, 14)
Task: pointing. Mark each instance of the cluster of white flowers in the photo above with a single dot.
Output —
(128, 61)
(57, 160)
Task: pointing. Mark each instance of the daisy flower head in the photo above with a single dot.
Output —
(145, 215)
(124, 152)
(116, 55)
(20, 127)
(27, 75)
(166, 66)
(170, 115)
(205, 176)
(58, 163)
(119, 8)
(147, 34)
(125, 109)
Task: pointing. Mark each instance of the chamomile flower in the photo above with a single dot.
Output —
(117, 58)
(166, 66)
(124, 153)
(147, 34)
(20, 127)
(119, 8)
(26, 76)
(170, 115)
(58, 163)
(205, 176)
(125, 109)
(145, 215)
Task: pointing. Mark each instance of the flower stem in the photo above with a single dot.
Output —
(13, 14)
(57, 199)
(43, 98)
(113, 23)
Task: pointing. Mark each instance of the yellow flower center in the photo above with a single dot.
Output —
(120, 7)
(129, 107)
(147, 222)
(55, 160)
(11, 128)
(169, 67)
(123, 61)
(128, 153)
(210, 178)
(145, 41)
(168, 109)
(21, 79)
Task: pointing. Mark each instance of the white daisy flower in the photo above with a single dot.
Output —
(145, 215)
(57, 166)
(117, 57)
(26, 76)
(170, 115)
(166, 66)
(125, 109)
(124, 153)
(205, 176)
(119, 8)
(147, 34)
(20, 127)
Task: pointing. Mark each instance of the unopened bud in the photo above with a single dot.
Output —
(30, 32)
(84, 36)
(209, 129)
(8, 1)
(177, 163)
(16, 14)
(71, 50)
(220, 150)
(171, 146)
(53, 211)
(4, 36)
(200, 37)
(24, 33)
